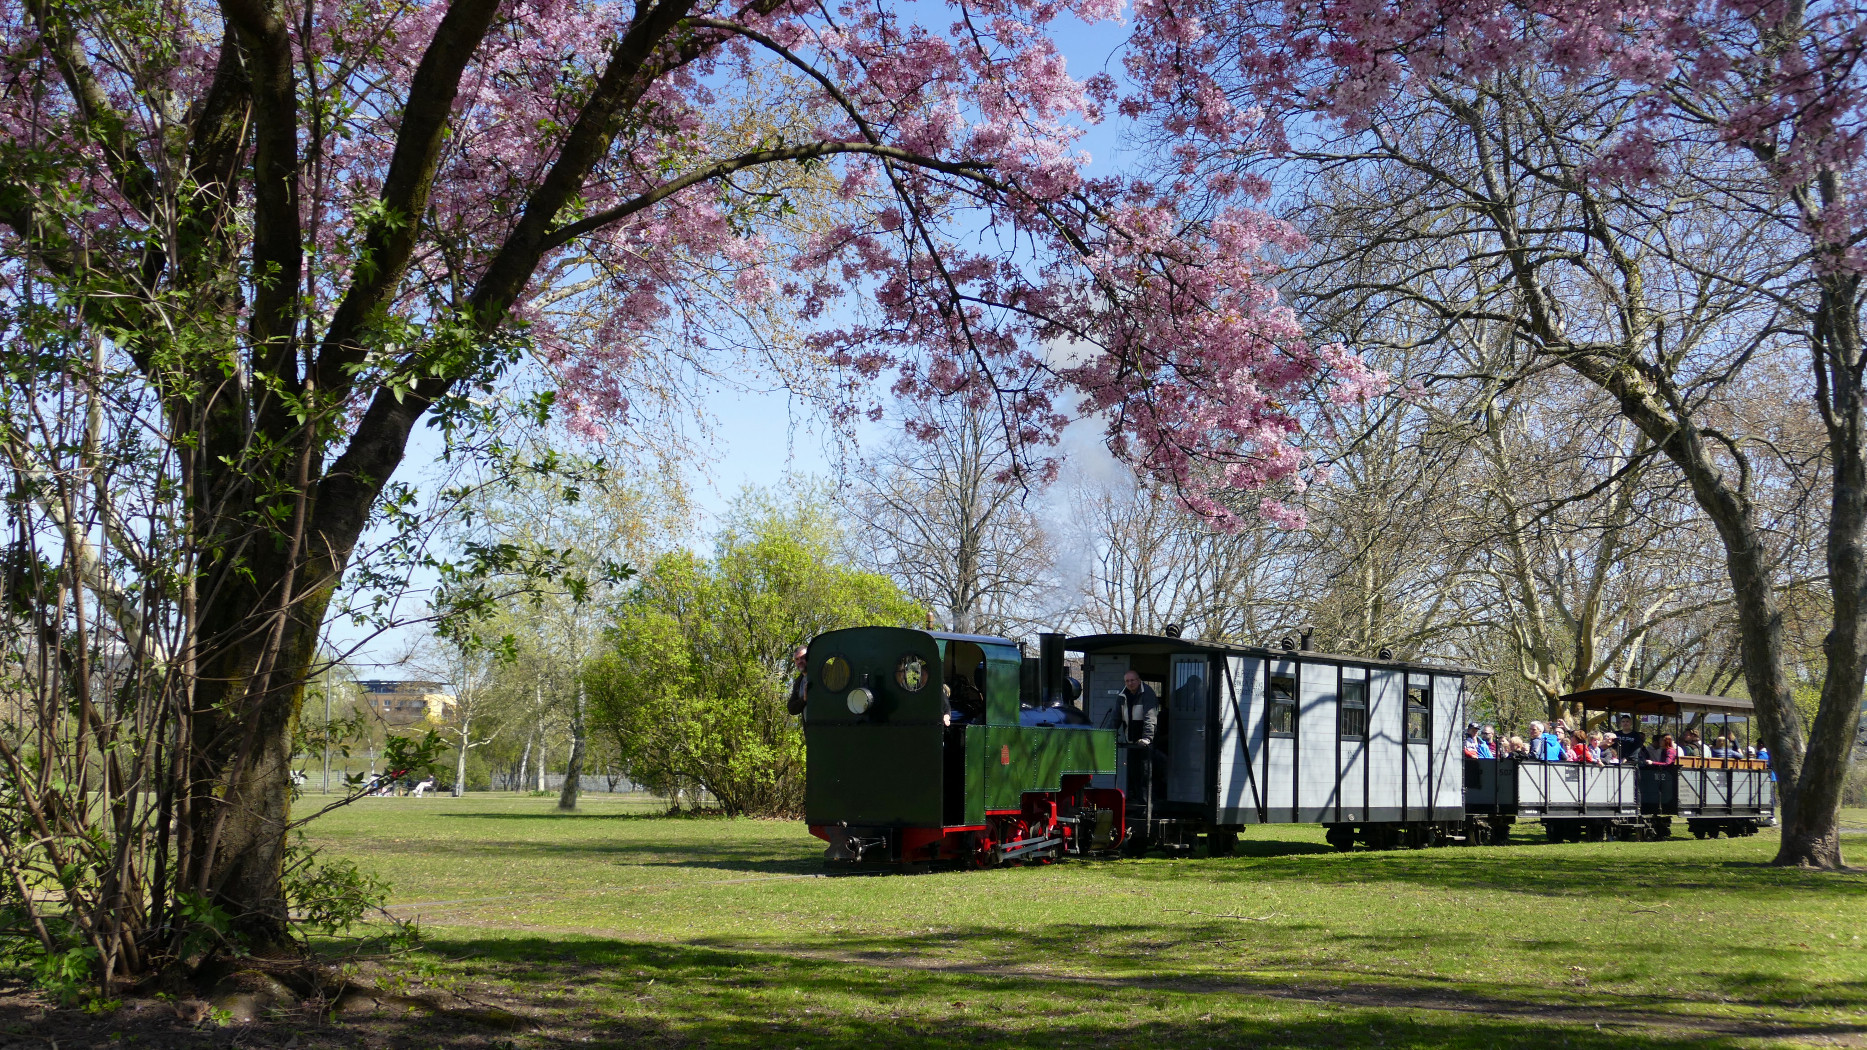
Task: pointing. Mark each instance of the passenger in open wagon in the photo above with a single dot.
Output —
(1629, 740)
(1545, 746)
(1661, 753)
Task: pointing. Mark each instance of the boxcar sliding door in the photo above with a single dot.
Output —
(1448, 748)
(1315, 744)
(1386, 752)
(1241, 741)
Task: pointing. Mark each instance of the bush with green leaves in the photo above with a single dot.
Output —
(692, 688)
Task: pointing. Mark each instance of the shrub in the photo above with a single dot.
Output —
(693, 687)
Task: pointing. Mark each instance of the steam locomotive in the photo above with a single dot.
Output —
(928, 747)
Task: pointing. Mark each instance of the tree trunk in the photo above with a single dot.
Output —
(525, 764)
(573, 769)
(1811, 809)
(460, 760)
(240, 799)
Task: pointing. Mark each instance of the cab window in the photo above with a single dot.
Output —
(965, 679)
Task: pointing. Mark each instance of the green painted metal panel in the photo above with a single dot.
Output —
(1002, 667)
(1020, 759)
(975, 774)
(873, 774)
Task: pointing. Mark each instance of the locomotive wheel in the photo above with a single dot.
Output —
(1221, 843)
(1342, 838)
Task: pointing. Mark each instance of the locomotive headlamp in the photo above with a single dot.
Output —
(859, 700)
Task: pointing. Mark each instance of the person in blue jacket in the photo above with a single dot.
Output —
(1544, 745)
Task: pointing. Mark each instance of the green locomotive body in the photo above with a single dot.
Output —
(918, 751)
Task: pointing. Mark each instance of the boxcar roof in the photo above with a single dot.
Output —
(1653, 701)
(1157, 644)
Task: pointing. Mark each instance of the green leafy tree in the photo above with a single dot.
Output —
(692, 688)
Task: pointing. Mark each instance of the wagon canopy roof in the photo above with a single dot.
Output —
(1159, 644)
(1653, 701)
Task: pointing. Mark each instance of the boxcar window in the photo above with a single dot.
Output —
(1419, 713)
(1283, 705)
(1354, 710)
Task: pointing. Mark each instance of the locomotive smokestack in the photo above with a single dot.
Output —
(1050, 667)
(1306, 630)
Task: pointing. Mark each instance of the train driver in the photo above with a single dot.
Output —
(1140, 712)
(1140, 709)
(800, 683)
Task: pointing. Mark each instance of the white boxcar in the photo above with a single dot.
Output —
(1270, 736)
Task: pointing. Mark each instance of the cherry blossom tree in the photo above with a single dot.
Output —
(1771, 96)
(295, 231)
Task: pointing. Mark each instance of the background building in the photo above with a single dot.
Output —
(407, 703)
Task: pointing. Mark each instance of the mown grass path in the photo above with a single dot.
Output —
(618, 927)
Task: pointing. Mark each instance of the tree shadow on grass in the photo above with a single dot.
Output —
(730, 996)
(724, 855)
(1609, 871)
(545, 815)
(1202, 952)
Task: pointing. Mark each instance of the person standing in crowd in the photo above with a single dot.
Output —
(1582, 751)
(1689, 746)
(1629, 740)
(1721, 748)
(1493, 742)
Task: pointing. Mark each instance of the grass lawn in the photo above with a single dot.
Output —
(615, 926)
